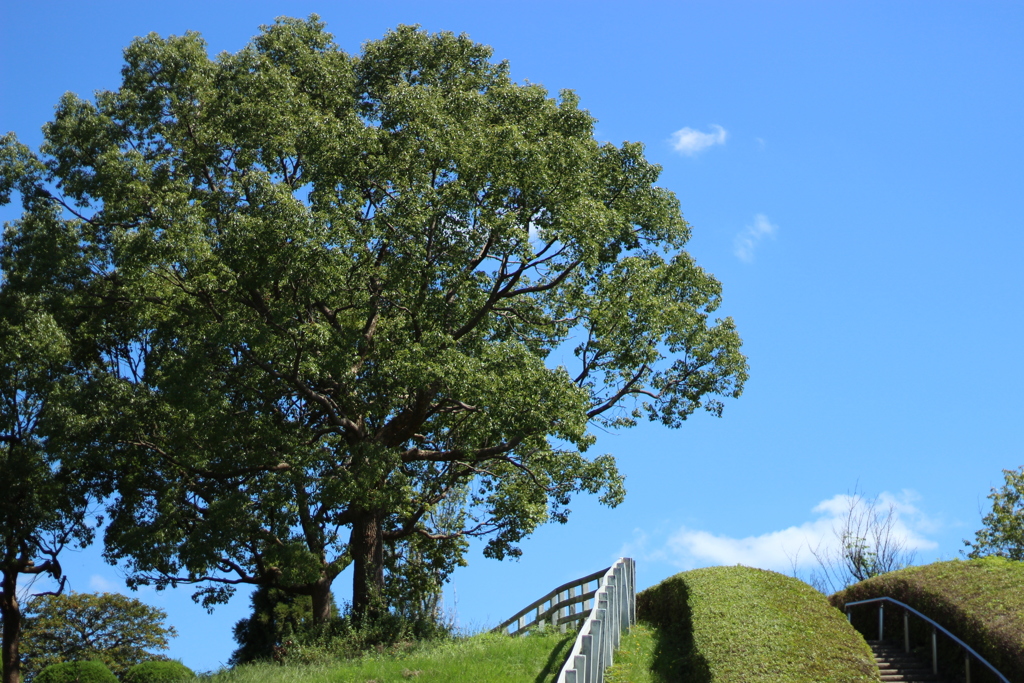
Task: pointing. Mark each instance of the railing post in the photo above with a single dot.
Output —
(881, 616)
(555, 613)
(967, 668)
(935, 653)
(906, 631)
(612, 607)
(632, 594)
(849, 615)
(603, 650)
(587, 655)
(594, 664)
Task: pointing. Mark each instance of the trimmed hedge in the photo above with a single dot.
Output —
(980, 601)
(745, 625)
(76, 672)
(158, 671)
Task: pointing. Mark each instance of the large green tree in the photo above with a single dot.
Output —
(363, 307)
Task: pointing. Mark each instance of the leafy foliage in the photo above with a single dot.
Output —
(44, 505)
(744, 624)
(980, 601)
(276, 618)
(326, 289)
(1003, 533)
(155, 671)
(115, 629)
(90, 671)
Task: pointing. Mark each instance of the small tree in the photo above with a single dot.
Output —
(1003, 533)
(275, 616)
(118, 630)
(868, 545)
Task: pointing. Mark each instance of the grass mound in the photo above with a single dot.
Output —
(727, 624)
(485, 658)
(980, 601)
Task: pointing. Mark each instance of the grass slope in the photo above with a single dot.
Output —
(484, 658)
(737, 624)
(981, 601)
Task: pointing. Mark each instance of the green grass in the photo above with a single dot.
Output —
(981, 601)
(483, 658)
(639, 650)
(737, 624)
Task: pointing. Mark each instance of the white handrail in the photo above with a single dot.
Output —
(613, 613)
(611, 610)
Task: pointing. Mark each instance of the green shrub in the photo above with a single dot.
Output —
(344, 637)
(980, 601)
(76, 672)
(158, 671)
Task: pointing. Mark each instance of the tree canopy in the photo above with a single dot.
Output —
(1003, 530)
(353, 309)
(44, 505)
(118, 630)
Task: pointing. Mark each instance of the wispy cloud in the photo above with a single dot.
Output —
(789, 548)
(747, 240)
(103, 585)
(690, 141)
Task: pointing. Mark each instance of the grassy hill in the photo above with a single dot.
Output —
(484, 658)
(738, 624)
(981, 601)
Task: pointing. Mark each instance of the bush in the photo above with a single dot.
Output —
(345, 638)
(158, 671)
(76, 672)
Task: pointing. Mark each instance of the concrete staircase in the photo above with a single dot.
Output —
(896, 665)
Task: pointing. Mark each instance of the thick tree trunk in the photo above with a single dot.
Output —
(11, 614)
(367, 544)
(322, 601)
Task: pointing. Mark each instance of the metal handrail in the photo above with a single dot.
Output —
(935, 626)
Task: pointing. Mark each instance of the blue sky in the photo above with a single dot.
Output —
(853, 175)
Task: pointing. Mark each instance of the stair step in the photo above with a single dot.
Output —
(896, 665)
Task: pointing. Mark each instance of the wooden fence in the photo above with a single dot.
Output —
(604, 601)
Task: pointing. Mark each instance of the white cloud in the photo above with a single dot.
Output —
(691, 141)
(745, 242)
(789, 549)
(103, 585)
